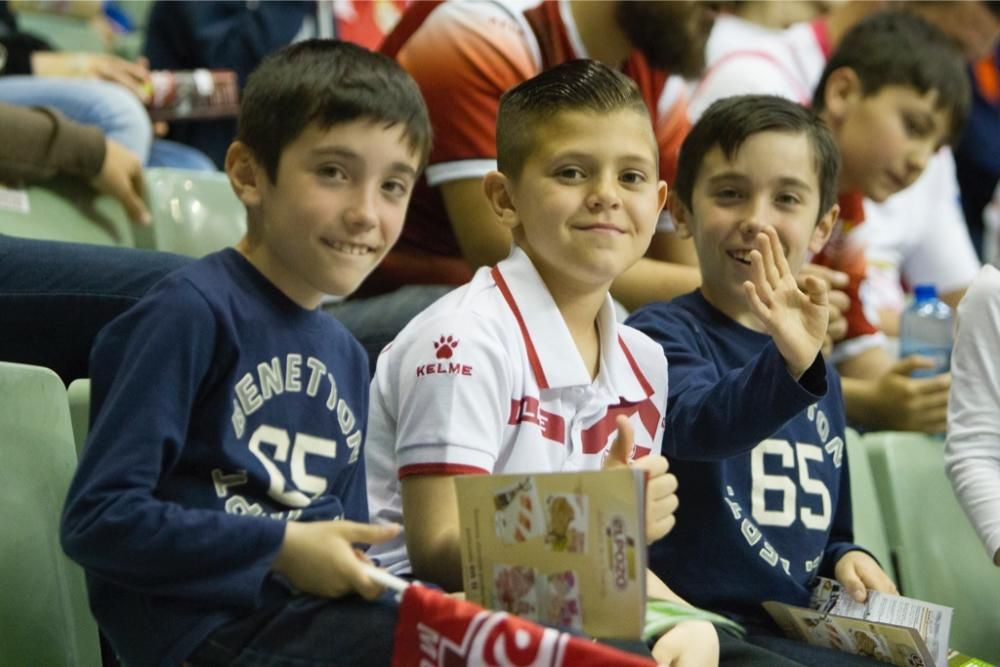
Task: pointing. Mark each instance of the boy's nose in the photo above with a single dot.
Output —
(361, 213)
(755, 220)
(603, 195)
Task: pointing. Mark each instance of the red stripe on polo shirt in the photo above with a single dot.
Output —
(646, 387)
(536, 364)
(821, 31)
(440, 469)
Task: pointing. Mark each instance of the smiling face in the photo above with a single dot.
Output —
(885, 138)
(335, 209)
(770, 181)
(585, 205)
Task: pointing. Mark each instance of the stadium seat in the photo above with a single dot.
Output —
(64, 209)
(937, 554)
(44, 618)
(79, 411)
(194, 212)
(869, 524)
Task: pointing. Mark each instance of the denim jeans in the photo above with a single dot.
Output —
(111, 107)
(306, 631)
(55, 297)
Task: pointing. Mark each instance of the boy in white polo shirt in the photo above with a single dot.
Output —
(525, 369)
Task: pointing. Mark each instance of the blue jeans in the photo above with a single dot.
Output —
(55, 297)
(377, 320)
(306, 631)
(111, 107)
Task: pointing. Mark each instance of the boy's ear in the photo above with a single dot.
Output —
(821, 234)
(843, 90)
(497, 187)
(244, 173)
(681, 215)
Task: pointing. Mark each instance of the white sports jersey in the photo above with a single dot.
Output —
(489, 380)
(918, 235)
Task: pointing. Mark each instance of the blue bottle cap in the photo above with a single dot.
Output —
(924, 292)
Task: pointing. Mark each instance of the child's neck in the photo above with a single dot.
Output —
(580, 312)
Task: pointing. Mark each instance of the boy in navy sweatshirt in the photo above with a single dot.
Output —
(222, 489)
(755, 417)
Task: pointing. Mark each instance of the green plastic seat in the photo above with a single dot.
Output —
(79, 411)
(44, 618)
(65, 209)
(194, 212)
(937, 554)
(66, 33)
(869, 524)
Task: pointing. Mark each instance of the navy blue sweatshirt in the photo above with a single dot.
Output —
(220, 410)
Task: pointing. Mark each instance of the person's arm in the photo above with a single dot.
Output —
(113, 523)
(897, 402)
(972, 451)
(430, 518)
(38, 143)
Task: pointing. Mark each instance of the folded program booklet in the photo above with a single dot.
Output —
(563, 549)
(890, 628)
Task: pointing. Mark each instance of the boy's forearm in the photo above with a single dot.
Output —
(438, 559)
(430, 518)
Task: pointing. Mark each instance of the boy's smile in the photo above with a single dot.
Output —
(771, 181)
(334, 211)
(585, 205)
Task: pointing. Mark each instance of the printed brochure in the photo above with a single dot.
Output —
(890, 628)
(564, 549)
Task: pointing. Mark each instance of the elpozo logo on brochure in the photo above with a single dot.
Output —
(444, 351)
(621, 553)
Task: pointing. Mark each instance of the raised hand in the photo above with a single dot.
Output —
(661, 486)
(795, 320)
(320, 558)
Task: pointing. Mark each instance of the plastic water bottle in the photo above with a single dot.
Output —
(925, 329)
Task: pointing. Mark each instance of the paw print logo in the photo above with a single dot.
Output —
(445, 347)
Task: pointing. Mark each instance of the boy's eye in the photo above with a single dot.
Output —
(396, 188)
(914, 127)
(332, 171)
(634, 177)
(728, 195)
(788, 199)
(571, 173)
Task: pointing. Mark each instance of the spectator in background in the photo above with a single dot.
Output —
(977, 158)
(972, 451)
(237, 35)
(55, 297)
(91, 88)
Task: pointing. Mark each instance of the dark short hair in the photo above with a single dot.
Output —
(902, 49)
(577, 85)
(732, 120)
(328, 82)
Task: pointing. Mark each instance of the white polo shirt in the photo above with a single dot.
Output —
(489, 380)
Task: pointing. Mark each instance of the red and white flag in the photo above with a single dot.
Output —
(436, 630)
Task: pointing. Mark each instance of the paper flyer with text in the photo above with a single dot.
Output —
(564, 549)
(890, 628)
